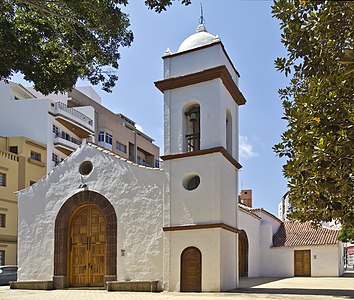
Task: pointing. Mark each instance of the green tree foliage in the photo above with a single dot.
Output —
(55, 42)
(318, 108)
(347, 234)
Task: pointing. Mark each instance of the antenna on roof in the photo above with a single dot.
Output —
(201, 19)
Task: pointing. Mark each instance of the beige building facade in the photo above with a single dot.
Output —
(22, 163)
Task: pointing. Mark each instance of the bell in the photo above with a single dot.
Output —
(193, 117)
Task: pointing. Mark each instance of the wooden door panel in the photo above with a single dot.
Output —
(79, 269)
(191, 267)
(97, 269)
(88, 247)
(302, 263)
(241, 258)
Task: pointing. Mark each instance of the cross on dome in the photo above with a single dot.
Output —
(201, 38)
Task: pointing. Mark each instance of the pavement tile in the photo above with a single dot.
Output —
(324, 288)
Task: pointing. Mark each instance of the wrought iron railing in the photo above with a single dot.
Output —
(193, 142)
(67, 137)
(74, 112)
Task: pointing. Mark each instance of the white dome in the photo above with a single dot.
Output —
(201, 38)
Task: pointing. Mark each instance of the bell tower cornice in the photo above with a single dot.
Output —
(221, 150)
(203, 76)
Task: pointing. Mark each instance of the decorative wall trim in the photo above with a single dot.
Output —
(40, 146)
(4, 238)
(9, 201)
(202, 226)
(220, 72)
(222, 150)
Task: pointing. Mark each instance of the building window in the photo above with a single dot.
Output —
(86, 168)
(101, 136)
(105, 137)
(2, 220)
(35, 156)
(55, 130)
(55, 158)
(191, 182)
(157, 163)
(14, 149)
(108, 138)
(121, 147)
(2, 179)
(2, 257)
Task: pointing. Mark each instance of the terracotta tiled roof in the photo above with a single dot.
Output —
(248, 210)
(292, 234)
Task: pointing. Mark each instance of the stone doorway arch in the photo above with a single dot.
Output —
(61, 239)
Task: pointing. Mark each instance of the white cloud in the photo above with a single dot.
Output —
(246, 149)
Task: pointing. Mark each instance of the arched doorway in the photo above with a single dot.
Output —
(242, 254)
(70, 221)
(87, 247)
(191, 270)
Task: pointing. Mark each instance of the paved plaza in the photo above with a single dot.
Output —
(250, 288)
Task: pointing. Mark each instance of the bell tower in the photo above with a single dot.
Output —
(201, 102)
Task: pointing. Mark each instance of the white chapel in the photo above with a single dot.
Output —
(98, 219)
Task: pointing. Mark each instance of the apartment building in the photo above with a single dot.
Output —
(37, 132)
(47, 120)
(284, 208)
(61, 121)
(22, 163)
(116, 132)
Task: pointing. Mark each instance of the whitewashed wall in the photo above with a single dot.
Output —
(214, 100)
(136, 194)
(197, 60)
(218, 250)
(213, 200)
(279, 262)
(251, 224)
(273, 221)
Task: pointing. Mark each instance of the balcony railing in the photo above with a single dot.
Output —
(8, 155)
(193, 142)
(67, 137)
(73, 112)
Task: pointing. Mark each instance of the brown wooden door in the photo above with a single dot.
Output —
(191, 270)
(88, 247)
(302, 263)
(242, 254)
(241, 258)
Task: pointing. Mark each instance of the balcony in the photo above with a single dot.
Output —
(9, 156)
(72, 119)
(65, 143)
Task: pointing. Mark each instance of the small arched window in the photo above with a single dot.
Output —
(192, 129)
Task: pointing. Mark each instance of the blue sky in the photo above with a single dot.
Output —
(252, 39)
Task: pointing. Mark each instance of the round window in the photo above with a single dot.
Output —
(191, 182)
(86, 168)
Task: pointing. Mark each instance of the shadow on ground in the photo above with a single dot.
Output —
(250, 286)
(295, 291)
